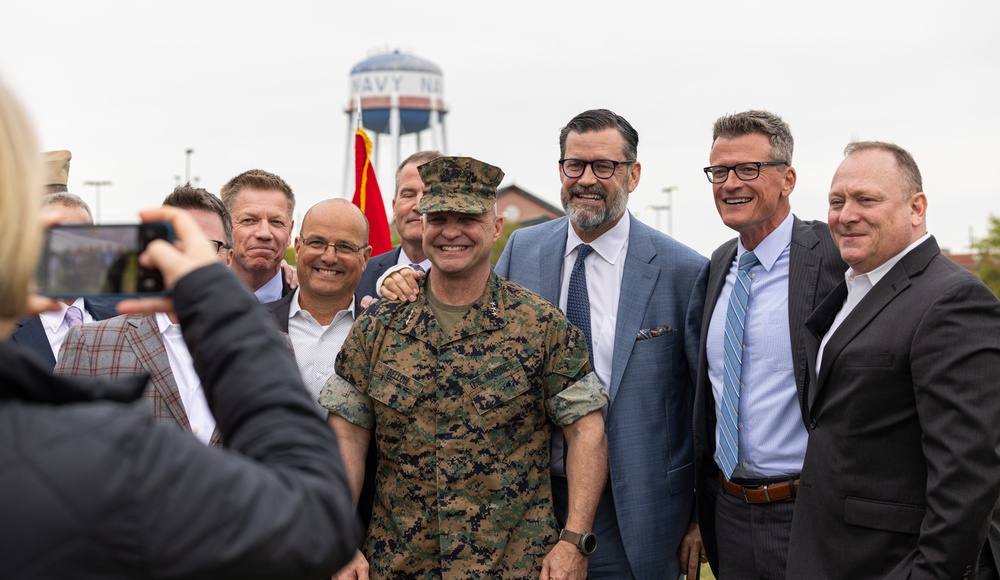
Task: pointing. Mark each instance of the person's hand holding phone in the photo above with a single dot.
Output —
(191, 250)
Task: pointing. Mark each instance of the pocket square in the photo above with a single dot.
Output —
(647, 333)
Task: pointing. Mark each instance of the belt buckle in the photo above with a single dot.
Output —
(767, 494)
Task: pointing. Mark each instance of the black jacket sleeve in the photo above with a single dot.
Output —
(277, 504)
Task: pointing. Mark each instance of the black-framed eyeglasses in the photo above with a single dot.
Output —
(218, 245)
(744, 171)
(603, 168)
(341, 248)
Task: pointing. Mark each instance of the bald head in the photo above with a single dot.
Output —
(325, 208)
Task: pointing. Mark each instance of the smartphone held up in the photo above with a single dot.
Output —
(100, 260)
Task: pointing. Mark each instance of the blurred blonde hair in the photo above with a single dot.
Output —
(20, 192)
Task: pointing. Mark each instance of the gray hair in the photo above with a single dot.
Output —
(763, 122)
(904, 161)
(68, 200)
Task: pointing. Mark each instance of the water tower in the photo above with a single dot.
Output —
(400, 94)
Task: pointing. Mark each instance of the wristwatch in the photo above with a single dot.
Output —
(585, 542)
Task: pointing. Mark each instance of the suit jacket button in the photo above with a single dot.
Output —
(813, 424)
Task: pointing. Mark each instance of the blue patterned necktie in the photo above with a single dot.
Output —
(578, 301)
(736, 315)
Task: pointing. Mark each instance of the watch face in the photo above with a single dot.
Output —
(588, 543)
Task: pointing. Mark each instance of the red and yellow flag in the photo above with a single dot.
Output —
(367, 195)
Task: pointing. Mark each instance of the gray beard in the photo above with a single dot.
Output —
(587, 220)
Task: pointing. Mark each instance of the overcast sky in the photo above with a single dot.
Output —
(127, 86)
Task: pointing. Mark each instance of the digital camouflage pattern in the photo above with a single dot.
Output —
(463, 429)
(460, 184)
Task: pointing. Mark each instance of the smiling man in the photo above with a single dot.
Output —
(331, 252)
(463, 388)
(261, 205)
(750, 437)
(902, 470)
(408, 222)
(637, 294)
(152, 344)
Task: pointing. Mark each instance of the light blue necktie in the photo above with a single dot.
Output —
(736, 315)
(578, 300)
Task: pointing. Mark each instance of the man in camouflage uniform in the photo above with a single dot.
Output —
(463, 387)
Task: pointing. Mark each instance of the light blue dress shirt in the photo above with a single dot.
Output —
(772, 435)
(271, 290)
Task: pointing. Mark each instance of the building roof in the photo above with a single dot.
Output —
(514, 189)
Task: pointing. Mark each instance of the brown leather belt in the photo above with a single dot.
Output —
(761, 493)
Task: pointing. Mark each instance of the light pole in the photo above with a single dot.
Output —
(658, 209)
(187, 164)
(670, 208)
(97, 195)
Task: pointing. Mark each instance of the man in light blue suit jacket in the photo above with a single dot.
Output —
(652, 289)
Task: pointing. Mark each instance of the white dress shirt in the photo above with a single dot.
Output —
(405, 260)
(56, 327)
(605, 269)
(316, 346)
(858, 286)
(188, 384)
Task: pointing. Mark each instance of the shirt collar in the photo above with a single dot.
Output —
(271, 290)
(163, 323)
(878, 273)
(294, 308)
(770, 248)
(404, 259)
(608, 245)
(54, 319)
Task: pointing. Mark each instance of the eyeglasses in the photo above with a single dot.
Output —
(340, 248)
(218, 245)
(603, 168)
(745, 171)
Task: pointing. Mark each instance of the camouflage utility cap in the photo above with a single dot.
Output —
(460, 184)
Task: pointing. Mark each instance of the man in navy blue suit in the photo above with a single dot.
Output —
(44, 334)
(646, 293)
(409, 188)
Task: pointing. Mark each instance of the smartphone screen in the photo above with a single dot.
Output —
(91, 260)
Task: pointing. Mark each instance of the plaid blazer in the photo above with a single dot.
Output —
(125, 346)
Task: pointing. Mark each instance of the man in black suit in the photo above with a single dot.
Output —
(409, 188)
(45, 333)
(746, 514)
(902, 469)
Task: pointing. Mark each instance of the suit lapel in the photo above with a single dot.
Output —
(31, 335)
(100, 309)
(717, 273)
(144, 338)
(551, 261)
(818, 324)
(638, 282)
(894, 283)
(803, 280)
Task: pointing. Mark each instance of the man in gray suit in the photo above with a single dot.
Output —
(746, 512)
(902, 470)
(644, 298)
(152, 344)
